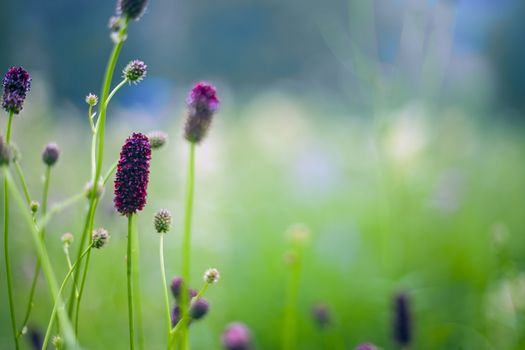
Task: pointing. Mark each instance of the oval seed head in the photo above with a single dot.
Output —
(67, 238)
(199, 308)
(131, 180)
(134, 9)
(202, 104)
(6, 154)
(16, 84)
(50, 154)
(236, 336)
(34, 206)
(157, 139)
(162, 221)
(135, 71)
(92, 99)
(57, 342)
(211, 276)
(100, 238)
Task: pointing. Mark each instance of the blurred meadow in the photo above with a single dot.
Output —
(392, 129)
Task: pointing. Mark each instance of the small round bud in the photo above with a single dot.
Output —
(6, 154)
(175, 315)
(100, 238)
(91, 99)
(162, 221)
(57, 342)
(211, 276)
(176, 285)
(321, 315)
(34, 206)
(94, 192)
(50, 154)
(199, 308)
(67, 238)
(236, 336)
(135, 71)
(157, 139)
(366, 346)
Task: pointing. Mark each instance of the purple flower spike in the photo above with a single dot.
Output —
(236, 336)
(16, 84)
(202, 104)
(131, 182)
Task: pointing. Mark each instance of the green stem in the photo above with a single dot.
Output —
(69, 264)
(45, 195)
(186, 243)
(114, 91)
(49, 275)
(136, 286)
(62, 286)
(109, 173)
(9, 273)
(290, 316)
(90, 117)
(129, 261)
(58, 207)
(165, 286)
(20, 175)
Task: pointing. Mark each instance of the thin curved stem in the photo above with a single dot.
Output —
(21, 177)
(69, 264)
(8, 270)
(60, 290)
(58, 207)
(109, 173)
(90, 117)
(114, 91)
(186, 243)
(129, 264)
(49, 275)
(165, 286)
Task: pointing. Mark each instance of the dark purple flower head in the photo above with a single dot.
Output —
(366, 346)
(134, 9)
(321, 315)
(202, 104)
(175, 315)
(16, 84)
(131, 181)
(50, 154)
(402, 328)
(199, 308)
(176, 288)
(236, 336)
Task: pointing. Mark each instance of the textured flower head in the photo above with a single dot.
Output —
(402, 328)
(199, 308)
(236, 336)
(202, 104)
(134, 9)
(157, 139)
(50, 154)
(131, 181)
(211, 276)
(135, 71)
(92, 99)
(16, 84)
(100, 238)
(162, 221)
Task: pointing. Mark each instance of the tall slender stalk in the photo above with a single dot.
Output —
(165, 286)
(56, 304)
(136, 286)
(8, 270)
(290, 312)
(186, 244)
(129, 264)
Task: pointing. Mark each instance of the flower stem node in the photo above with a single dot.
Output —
(100, 238)
(211, 276)
(50, 154)
(162, 221)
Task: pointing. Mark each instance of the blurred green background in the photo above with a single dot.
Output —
(393, 129)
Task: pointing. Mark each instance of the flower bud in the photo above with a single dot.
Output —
(236, 336)
(199, 308)
(57, 342)
(176, 287)
(133, 9)
(162, 221)
(94, 192)
(157, 139)
(211, 276)
(100, 238)
(321, 315)
(135, 71)
(50, 154)
(202, 104)
(5, 153)
(34, 206)
(67, 238)
(92, 99)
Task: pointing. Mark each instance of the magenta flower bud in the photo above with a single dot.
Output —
(175, 315)
(134, 9)
(202, 104)
(50, 154)
(199, 309)
(16, 84)
(236, 336)
(131, 181)
(176, 287)
(402, 329)
(366, 346)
